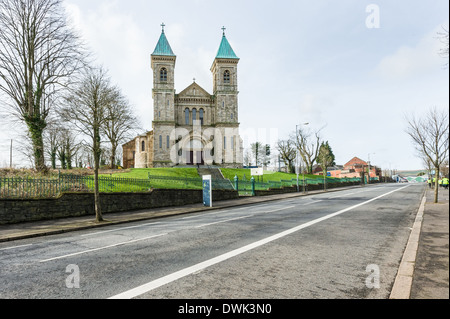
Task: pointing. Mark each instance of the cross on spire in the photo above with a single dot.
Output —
(223, 29)
(163, 25)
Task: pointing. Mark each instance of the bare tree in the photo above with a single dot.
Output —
(38, 55)
(120, 124)
(258, 152)
(51, 138)
(444, 38)
(67, 147)
(430, 137)
(288, 153)
(308, 144)
(247, 157)
(87, 109)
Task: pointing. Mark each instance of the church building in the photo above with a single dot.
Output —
(192, 127)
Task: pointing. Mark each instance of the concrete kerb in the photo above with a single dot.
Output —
(75, 226)
(403, 282)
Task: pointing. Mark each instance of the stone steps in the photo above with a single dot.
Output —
(216, 175)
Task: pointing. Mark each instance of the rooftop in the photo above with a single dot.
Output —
(163, 46)
(225, 50)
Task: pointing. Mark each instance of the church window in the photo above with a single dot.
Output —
(194, 115)
(163, 75)
(227, 77)
(232, 116)
(143, 146)
(202, 114)
(186, 116)
(168, 141)
(223, 104)
(160, 141)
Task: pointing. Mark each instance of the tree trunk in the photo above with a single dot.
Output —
(53, 158)
(68, 156)
(98, 209)
(113, 156)
(36, 127)
(436, 186)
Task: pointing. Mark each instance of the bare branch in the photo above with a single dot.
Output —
(39, 54)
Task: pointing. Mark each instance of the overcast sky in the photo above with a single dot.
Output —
(330, 63)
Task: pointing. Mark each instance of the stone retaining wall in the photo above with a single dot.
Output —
(82, 204)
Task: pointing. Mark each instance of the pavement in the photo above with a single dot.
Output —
(423, 272)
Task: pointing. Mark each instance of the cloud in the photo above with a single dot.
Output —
(113, 36)
(120, 45)
(411, 61)
(313, 109)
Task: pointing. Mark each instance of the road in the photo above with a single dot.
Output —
(345, 244)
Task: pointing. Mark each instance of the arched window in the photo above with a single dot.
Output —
(194, 115)
(227, 77)
(143, 146)
(163, 75)
(160, 141)
(168, 141)
(202, 115)
(186, 116)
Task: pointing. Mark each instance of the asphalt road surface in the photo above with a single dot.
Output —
(345, 244)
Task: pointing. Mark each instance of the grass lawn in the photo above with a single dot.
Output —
(143, 173)
(159, 174)
(230, 173)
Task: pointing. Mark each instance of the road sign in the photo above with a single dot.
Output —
(257, 171)
(207, 190)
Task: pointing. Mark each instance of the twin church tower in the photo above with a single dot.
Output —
(192, 127)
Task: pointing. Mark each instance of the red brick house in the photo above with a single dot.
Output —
(356, 167)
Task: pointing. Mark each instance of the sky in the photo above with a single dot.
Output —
(352, 68)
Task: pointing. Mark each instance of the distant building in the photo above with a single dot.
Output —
(356, 167)
(192, 127)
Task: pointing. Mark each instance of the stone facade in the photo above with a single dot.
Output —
(193, 127)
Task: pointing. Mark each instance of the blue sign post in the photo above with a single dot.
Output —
(207, 190)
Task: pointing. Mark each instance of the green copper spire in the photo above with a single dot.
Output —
(225, 50)
(163, 46)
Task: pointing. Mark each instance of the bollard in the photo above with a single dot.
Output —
(236, 183)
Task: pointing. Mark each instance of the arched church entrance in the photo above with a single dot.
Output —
(194, 153)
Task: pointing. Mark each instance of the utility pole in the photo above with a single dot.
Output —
(10, 155)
